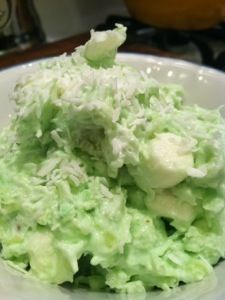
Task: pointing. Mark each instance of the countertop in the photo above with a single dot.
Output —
(67, 45)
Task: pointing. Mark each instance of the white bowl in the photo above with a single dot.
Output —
(203, 86)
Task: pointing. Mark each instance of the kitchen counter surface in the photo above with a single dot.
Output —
(67, 45)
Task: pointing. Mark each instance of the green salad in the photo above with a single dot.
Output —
(108, 180)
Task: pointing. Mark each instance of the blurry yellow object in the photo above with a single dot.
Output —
(178, 14)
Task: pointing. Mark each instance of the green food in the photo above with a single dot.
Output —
(107, 179)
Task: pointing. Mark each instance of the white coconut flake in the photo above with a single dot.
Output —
(197, 173)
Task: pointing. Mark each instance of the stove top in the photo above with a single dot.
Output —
(205, 47)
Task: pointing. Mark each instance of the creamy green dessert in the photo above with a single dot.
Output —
(107, 179)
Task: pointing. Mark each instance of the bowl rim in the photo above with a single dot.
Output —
(178, 62)
(156, 59)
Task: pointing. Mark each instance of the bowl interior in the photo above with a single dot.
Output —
(203, 86)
